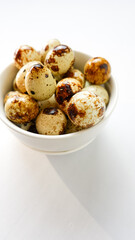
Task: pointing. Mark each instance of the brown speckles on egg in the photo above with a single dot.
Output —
(48, 103)
(65, 89)
(50, 111)
(21, 75)
(51, 121)
(60, 50)
(18, 56)
(77, 74)
(21, 108)
(47, 47)
(50, 45)
(99, 91)
(9, 95)
(104, 66)
(39, 80)
(85, 109)
(72, 111)
(69, 74)
(71, 128)
(36, 67)
(64, 92)
(25, 54)
(101, 111)
(55, 68)
(50, 60)
(62, 56)
(97, 70)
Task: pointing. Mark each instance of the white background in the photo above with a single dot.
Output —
(89, 194)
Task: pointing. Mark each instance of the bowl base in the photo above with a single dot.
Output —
(62, 152)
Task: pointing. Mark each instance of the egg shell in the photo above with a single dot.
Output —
(71, 128)
(85, 109)
(98, 90)
(20, 77)
(9, 95)
(39, 82)
(49, 45)
(51, 102)
(77, 74)
(25, 54)
(97, 70)
(65, 89)
(20, 108)
(25, 126)
(59, 59)
(51, 121)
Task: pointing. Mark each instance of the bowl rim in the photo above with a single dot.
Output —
(108, 112)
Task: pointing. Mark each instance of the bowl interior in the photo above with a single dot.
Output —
(6, 81)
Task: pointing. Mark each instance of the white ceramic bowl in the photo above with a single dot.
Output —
(60, 144)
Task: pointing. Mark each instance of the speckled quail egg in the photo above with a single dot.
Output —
(25, 54)
(39, 82)
(51, 121)
(50, 44)
(20, 108)
(25, 126)
(97, 70)
(51, 102)
(9, 95)
(85, 109)
(65, 89)
(98, 90)
(59, 59)
(20, 77)
(71, 128)
(77, 74)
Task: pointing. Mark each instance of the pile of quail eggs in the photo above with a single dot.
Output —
(50, 97)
